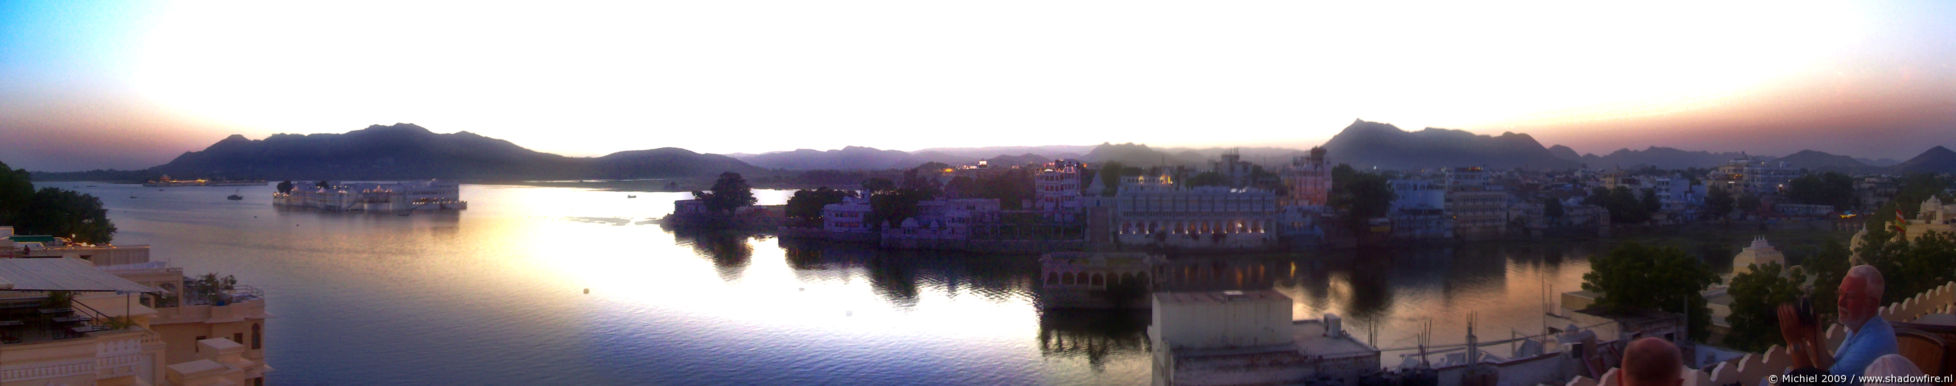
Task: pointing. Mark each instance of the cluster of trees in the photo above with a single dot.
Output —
(805, 207)
(730, 192)
(1757, 294)
(51, 211)
(1634, 278)
(1625, 206)
(1828, 188)
(1360, 195)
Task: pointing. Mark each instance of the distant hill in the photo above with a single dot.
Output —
(1131, 154)
(1369, 144)
(1936, 160)
(407, 151)
(1816, 160)
(1564, 152)
(868, 158)
(1660, 157)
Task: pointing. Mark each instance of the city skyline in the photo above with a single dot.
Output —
(129, 86)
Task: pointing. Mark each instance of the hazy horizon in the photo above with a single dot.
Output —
(91, 85)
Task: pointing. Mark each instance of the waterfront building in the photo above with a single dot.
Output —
(1096, 279)
(1308, 180)
(1248, 337)
(179, 317)
(1418, 210)
(1202, 218)
(1056, 190)
(1478, 214)
(374, 197)
(851, 216)
(943, 219)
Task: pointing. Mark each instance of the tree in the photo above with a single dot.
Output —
(1634, 278)
(322, 184)
(878, 184)
(1012, 188)
(730, 192)
(1718, 202)
(1552, 208)
(67, 213)
(1360, 195)
(1756, 296)
(285, 187)
(1828, 188)
(892, 207)
(1207, 179)
(805, 207)
(1623, 204)
(16, 191)
(1748, 204)
(1650, 202)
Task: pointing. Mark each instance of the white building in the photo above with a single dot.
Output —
(1419, 210)
(1760, 252)
(374, 197)
(1205, 217)
(847, 217)
(1248, 337)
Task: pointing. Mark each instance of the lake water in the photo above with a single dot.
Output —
(496, 295)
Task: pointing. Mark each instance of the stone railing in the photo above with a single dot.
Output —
(199, 313)
(1753, 368)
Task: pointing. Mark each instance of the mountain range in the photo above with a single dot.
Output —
(408, 151)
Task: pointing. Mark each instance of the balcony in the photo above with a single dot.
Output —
(202, 306)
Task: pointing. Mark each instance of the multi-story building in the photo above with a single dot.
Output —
(1056, 190)
(1232, 167)
(1467, 178)
(851, 216)
(1478, 214)
(120, 318)
(1874, 191)
(1204, 217)
(1308, 180)
(1755, 176)
(1419, 210)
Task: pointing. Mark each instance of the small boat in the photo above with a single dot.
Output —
(631, 196)
(234, 196)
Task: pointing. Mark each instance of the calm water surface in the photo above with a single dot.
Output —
(496, 295)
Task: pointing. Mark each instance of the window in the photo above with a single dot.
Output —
(194, 347)
(238, 337)
(257, 337)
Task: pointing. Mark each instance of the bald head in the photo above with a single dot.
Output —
(1859, 296)
(1651, 361)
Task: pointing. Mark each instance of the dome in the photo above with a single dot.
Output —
(1760, 252)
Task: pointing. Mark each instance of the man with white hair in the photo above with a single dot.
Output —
(1868, 336)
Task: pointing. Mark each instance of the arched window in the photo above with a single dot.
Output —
(1052, 278)
(1097, 279)
(257, 336)
(1067, 278)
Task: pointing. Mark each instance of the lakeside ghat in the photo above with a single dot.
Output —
(680, 307)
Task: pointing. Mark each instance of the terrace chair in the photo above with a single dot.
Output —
(1925, 349)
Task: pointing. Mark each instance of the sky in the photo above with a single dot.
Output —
(97, 84)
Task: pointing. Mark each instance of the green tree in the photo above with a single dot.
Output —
(1207, 179)
(67, 213)
(890, 208)
(16, 191)
(1748, 204)
(805, 207)
(1826, 267)
(1756, 296)
(1650, 202)
(285, 186)
(1360, 195)
(1828, 188)
(878, 184)
(1011, 188)
(1634, 277)
(1718, 202)
(730, 192)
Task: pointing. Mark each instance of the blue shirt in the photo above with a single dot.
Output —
(1874, 339)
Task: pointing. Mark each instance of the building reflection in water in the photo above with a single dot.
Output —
(1094, 335)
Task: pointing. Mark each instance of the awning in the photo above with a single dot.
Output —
(63, 274)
